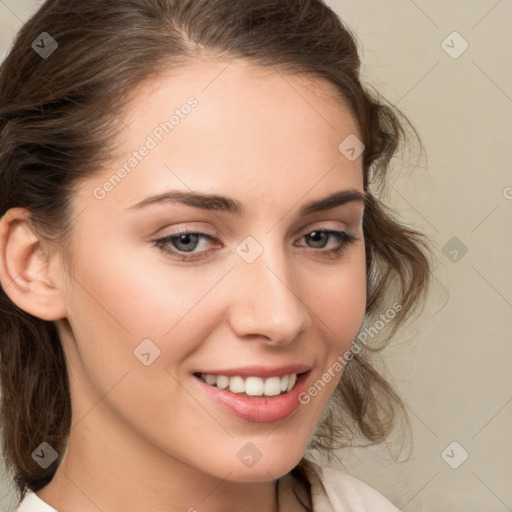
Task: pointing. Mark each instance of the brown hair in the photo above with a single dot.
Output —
(59, 119)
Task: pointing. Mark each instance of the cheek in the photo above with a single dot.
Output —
(115, 304)
(341, 304)
(118, 301)
(138, 296)
(340, 312)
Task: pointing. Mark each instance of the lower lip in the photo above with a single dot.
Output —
(257, 409)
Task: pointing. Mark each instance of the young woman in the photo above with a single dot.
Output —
(192, 251)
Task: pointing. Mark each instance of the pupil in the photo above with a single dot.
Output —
(316, 236)
(186, 242)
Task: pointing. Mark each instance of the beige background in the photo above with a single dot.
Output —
(452, 365)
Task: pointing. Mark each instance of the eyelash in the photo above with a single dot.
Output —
(163, 244)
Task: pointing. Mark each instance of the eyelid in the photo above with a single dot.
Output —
(186, 229)
(323, 226)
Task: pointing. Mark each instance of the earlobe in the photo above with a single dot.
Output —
(25, 268)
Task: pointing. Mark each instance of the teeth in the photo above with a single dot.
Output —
(221, 380)
(291, 381)
(211, 379)
(252, 386)
(284, 383)
(273, 386)
(236, 385)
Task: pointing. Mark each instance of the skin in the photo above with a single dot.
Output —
(143, 437)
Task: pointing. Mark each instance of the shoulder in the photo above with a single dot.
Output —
(33, 503)
(343, 491)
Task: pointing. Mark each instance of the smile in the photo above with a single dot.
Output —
(251, 385)
(259, 394)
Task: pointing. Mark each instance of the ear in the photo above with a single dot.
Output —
(25, 271)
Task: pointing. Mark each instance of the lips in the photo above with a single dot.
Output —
(254, 380)
(257, 394)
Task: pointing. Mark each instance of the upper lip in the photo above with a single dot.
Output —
(259, 371)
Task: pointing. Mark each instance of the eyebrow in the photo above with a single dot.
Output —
(226, 204)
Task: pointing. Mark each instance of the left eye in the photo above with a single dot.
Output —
(187, 242)
(182, 244)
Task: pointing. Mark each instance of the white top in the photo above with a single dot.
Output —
(331, 491)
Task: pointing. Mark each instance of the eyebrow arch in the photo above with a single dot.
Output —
(225, 204)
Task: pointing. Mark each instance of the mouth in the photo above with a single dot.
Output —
(255, 394)
(251, 385)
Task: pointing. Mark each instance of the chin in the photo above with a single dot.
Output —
(267, 463)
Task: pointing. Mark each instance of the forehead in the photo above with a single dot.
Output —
(234, 125)
(217, 77)
(254, 96)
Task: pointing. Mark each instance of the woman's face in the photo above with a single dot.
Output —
(257, 298)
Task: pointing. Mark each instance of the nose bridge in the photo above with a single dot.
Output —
(267, 298)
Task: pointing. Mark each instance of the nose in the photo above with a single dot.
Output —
(267, 302)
